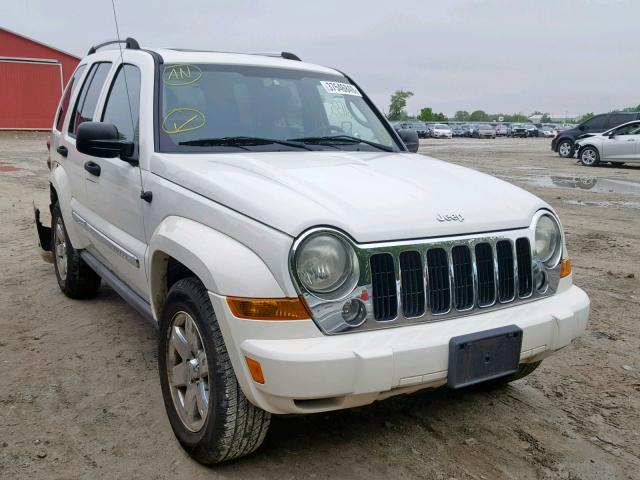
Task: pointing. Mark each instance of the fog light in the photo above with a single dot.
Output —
(354, 312)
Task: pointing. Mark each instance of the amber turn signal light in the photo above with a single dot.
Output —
(565, 268)
(268, 308)
(255, 369)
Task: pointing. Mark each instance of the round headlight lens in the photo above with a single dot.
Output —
(548, 240)
(325, 263)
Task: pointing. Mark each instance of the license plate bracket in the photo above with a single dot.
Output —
(482, 356)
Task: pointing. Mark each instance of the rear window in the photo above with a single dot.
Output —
(71, 88)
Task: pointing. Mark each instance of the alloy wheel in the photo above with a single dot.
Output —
(564, 149)
(60, 249)
(589, 156)
(188, 371)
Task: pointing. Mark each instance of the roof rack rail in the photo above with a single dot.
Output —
(130, 43)
(285, 55)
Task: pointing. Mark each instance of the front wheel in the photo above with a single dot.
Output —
(209, 413)
(565, 149)
(589, 156)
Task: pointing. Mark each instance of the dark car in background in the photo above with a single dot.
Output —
(563, 143)
(532, 130)
(457, 130)
(518, 130)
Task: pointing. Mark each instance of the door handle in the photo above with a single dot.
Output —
(62, 150)
(92, 167)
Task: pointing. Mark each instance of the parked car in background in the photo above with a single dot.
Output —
(618, 145)
(546, 132)
(440, 130)
(563, 143)
(469, 129)
(458, 130)
(419, 127)
(502, 130)
(518, 130)
(532, 130)
(484, 130)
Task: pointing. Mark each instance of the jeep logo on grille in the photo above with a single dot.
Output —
(450, 217)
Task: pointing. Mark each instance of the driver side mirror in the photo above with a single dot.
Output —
(100, 139)
(410, 139)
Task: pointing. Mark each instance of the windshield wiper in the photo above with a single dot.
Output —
(240, 141)
(338, 139)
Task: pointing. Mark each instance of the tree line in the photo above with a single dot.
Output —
(398, 104)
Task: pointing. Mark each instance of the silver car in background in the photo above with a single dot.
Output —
(620, 144)
(485, 131)
(440, 130)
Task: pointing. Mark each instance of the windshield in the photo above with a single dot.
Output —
(231, 108)
(441, 126)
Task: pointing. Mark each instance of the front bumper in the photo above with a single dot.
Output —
(310, 372)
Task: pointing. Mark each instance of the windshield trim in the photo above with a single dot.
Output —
(398, 144)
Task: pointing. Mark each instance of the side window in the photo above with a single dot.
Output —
(596, 123)
(616, 119)
(631, 129)
(123, 103)
(88, 96)
(71, 88)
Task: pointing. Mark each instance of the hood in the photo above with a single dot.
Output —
(371, 196)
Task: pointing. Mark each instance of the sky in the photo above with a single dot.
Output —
(501, 56)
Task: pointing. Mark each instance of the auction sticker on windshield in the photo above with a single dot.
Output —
(340, 88)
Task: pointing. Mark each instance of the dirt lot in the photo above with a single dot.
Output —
(80, 397)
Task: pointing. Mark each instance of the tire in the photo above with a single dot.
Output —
(523, 370)
(589, 156)
(229, 427)
(565, 149)
(75, 278)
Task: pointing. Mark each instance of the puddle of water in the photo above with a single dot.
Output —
(603, 203)
(592, 184)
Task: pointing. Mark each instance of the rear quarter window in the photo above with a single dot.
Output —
(68, 93)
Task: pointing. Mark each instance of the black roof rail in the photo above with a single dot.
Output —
(130, 43)
(285, 55)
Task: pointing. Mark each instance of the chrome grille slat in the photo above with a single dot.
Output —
(523, 263)
(439, 281)
(383, 286)
(412, 284)
(506, 276)
(462, 277)
(486, 274)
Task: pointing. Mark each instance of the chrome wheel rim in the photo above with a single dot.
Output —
(565, 149)
(60, 249)
(188, 371)
(588, 157)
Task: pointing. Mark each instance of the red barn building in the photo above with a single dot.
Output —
(32, 77)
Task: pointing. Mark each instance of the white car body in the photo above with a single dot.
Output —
(234, 218)
(617, 145)
(442, 131)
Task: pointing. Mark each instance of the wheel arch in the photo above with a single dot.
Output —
(182, 247)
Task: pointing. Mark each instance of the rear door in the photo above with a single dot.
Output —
(115, 209)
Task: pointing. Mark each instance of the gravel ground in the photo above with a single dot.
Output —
(80, 397)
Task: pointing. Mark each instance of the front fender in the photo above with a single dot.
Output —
(224, 265)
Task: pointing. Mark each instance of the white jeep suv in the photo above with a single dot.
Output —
(295, 256)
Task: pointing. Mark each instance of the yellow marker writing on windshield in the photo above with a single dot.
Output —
(180, 120)
(180, 75)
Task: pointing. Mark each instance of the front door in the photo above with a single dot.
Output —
(623, 145)
(113, 186)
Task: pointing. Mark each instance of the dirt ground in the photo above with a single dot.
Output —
(80, 397)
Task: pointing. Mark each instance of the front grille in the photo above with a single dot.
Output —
(460, 276)
(383, 286)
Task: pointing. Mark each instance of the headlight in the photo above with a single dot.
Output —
(327, 265)
(548, 247)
